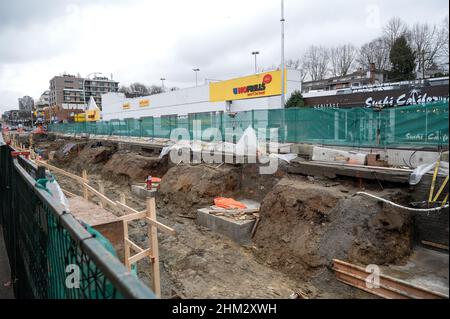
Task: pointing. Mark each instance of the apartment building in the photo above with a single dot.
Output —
(26, 103)
(356, 79)
(70, 94)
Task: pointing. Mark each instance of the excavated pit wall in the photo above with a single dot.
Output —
(305, 222)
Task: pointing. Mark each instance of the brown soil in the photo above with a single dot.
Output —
(304, 226)
(305, 223)
(103, 158)
(130, 167)
(186, 188)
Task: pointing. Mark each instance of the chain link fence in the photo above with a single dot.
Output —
(52, 255)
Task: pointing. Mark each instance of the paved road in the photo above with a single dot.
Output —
(5, 275)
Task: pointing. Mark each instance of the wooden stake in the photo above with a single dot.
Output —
(153, 236)
(126, 245)
(123, 199)
(101, 188)
(85, 189)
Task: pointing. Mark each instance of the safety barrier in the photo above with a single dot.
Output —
(423, 125)
(52, 255)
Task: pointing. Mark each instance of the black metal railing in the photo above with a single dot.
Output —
(52, 255)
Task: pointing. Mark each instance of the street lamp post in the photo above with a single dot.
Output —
(196, 76)
(282, 55)
(162, 84)
(255, 53)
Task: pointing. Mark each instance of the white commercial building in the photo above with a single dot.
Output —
(254, 92)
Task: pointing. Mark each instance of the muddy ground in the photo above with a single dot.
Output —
(305, 223)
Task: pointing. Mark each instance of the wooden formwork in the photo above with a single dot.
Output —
(388, 287)
(148, 215)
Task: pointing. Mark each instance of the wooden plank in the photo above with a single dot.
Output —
(134, 246)
(160, 226)
(101, 189)
(139, 256)
(67, 193)
(390, 287)
(153, 236)
(85, 189)
(131, 217)
(62, 172)
(435, 245)
(99, 195)
(126, 246)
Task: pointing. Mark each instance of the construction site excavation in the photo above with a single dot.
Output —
(327, 222)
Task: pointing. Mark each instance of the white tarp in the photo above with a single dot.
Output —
(92, 106)
(417, 174)
(248, 144)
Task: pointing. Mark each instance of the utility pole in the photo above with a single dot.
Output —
(282, 55)
(162, 83)
(255, 53)
(196, 76)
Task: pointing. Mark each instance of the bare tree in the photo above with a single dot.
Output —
(316, 61)
(427, 42)
(394, 29)
(296, 64)
(342, 58)
(154, 89)
(444, 35)
(377, 52)
(139, 89)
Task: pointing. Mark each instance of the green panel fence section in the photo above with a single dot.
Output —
(417, 125)
(51, 254)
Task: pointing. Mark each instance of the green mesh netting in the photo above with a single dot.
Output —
(416, 125)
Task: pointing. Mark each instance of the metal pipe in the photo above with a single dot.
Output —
(282, 56)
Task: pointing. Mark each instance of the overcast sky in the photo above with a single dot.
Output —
(144, 40)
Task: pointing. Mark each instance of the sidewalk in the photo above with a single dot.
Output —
(5, 275)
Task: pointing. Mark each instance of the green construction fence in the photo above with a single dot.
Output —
(424, 125)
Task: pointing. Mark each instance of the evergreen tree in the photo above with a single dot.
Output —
(296, 100)
(403, 60)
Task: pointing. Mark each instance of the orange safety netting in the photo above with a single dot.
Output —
(228, 203)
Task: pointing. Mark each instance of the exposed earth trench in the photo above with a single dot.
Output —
(306, 221)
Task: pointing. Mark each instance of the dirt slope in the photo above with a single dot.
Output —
(304, 226)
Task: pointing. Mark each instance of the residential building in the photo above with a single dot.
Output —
(43, 101)
(16, 117)
(26, 103)
(70, 94)
(356, 79)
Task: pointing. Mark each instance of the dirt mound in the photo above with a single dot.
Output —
(90, 156)
(132, 167)
(304, 226)
(186, 188)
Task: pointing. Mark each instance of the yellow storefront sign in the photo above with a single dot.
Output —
(80, 117)
(144, 103)
(126, 106)
(253, 86)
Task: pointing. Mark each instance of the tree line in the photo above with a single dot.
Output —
(137, 89)
(401, 51)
